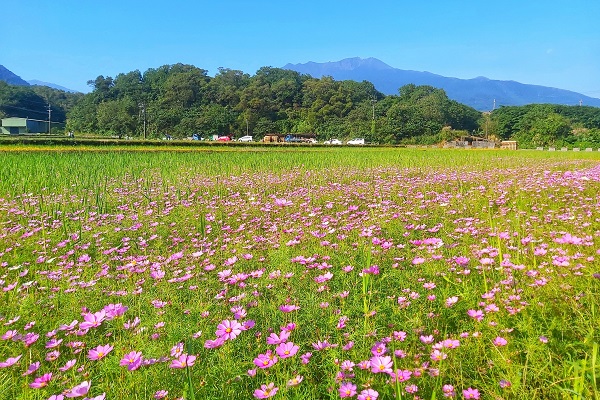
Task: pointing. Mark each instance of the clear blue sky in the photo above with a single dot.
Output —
(545, 42)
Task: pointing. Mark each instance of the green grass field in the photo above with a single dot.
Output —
(320, 273)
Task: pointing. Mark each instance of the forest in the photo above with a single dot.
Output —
(181, 100)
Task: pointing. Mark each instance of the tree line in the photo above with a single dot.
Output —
(181, 100)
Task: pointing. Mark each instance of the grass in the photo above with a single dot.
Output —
(369, 245)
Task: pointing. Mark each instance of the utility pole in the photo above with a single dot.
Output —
(143, 109)
(373, 101)
(49, 118)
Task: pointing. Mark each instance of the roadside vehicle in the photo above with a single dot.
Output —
(332, 141)
(356, 141)
(224, 139)
(246, 138)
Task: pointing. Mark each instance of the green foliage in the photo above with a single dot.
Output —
(181, 100)
(541, 125)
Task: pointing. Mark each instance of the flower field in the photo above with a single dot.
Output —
(299, 274)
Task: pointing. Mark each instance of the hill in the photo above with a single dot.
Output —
(11, 78)
(478, 93)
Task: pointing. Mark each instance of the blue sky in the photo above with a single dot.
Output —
(545, 42)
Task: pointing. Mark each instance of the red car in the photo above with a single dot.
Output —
(224, 138)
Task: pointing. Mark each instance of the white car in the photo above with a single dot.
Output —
(245, 139)
(332, 141)
(356, 141)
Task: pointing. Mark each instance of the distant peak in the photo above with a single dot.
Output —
(347, 64)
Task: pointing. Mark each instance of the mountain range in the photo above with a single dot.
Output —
(13, 79)
(481, 93)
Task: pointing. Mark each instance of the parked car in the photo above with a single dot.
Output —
(332, 141)
(246, 138)
(224, 138)
(356, 141)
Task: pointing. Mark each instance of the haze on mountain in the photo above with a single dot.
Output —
(479, 93)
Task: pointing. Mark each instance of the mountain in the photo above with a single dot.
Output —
(51, 85)
(11, 78)
(479, 93)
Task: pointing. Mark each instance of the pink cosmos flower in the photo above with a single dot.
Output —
(10, 361)
(177, 350)
(183, 361)
(368, 394)
(500, 341)
(32, 368)
(132, 360)
(80, 390)
(380, 364)
(266, 391)
(266, 360)
(278, 339)
(305, 358)
(228, 330)
(347, 389)
(437, 355)
(400, 375)
(161, 394)
(295, 381)
(286, 308)
(475, 314)
(213, 344)
(471, 393)
(448, 391)
(68, 365)
(56, 397)
(286, 350)
(99, 352)
(283, 202)
(41, 381)
(93, 320)
(411, 389)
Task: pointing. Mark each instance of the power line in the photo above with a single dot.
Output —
(23, 109)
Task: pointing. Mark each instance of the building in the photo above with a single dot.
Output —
(509, 144)
(20, 126)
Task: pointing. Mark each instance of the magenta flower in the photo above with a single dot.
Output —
(288, 349)
(286, 308)
(228, 330)
(400, 375)
(161, 394)
(92, 320)
(278, 339)
(80, 390)
(266, 360)
(10, 361)
(381, 364)
(471, 393)
(132, 360)
(32, 368)
(68, 365)
(347, 389)
(306, 358)
(437, 355)
(56, 397)
(475, 314)
(41, 381)
(295, 381)
(99, 352)
(500, 341)
(183, 361)
(213, 344)
(266, 391)
(368, 394)
(448, 391)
